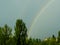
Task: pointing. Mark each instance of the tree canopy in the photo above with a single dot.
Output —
(20, 36)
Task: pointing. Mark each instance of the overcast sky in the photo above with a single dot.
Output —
(46, 25)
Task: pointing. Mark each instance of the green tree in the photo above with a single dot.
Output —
(59, 34)
(53, 40)
(5, 33)
(59, 37)
(1, 36)
(20, 32)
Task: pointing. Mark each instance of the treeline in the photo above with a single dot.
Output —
(20, 36)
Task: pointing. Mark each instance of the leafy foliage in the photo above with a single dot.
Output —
(20, 36)
(21, 32)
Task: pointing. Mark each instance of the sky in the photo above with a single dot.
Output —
(45, 12)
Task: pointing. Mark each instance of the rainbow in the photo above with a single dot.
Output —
(38, 15)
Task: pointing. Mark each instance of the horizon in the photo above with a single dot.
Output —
(45, 25)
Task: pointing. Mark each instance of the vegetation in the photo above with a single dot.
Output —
(20, 36)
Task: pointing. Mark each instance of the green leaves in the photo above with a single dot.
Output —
(5, 33)
(21, 32)
(20, 36)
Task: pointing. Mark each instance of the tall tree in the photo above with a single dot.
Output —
(21, 32)
(1, 37)
(59, 34)
(6, 32)
(59, 37)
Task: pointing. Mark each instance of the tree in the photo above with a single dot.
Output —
(53, 40)
(5, 33)
(1, 36)
(59, 34)
(53, 37)
(59, 37)
(20, 32)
